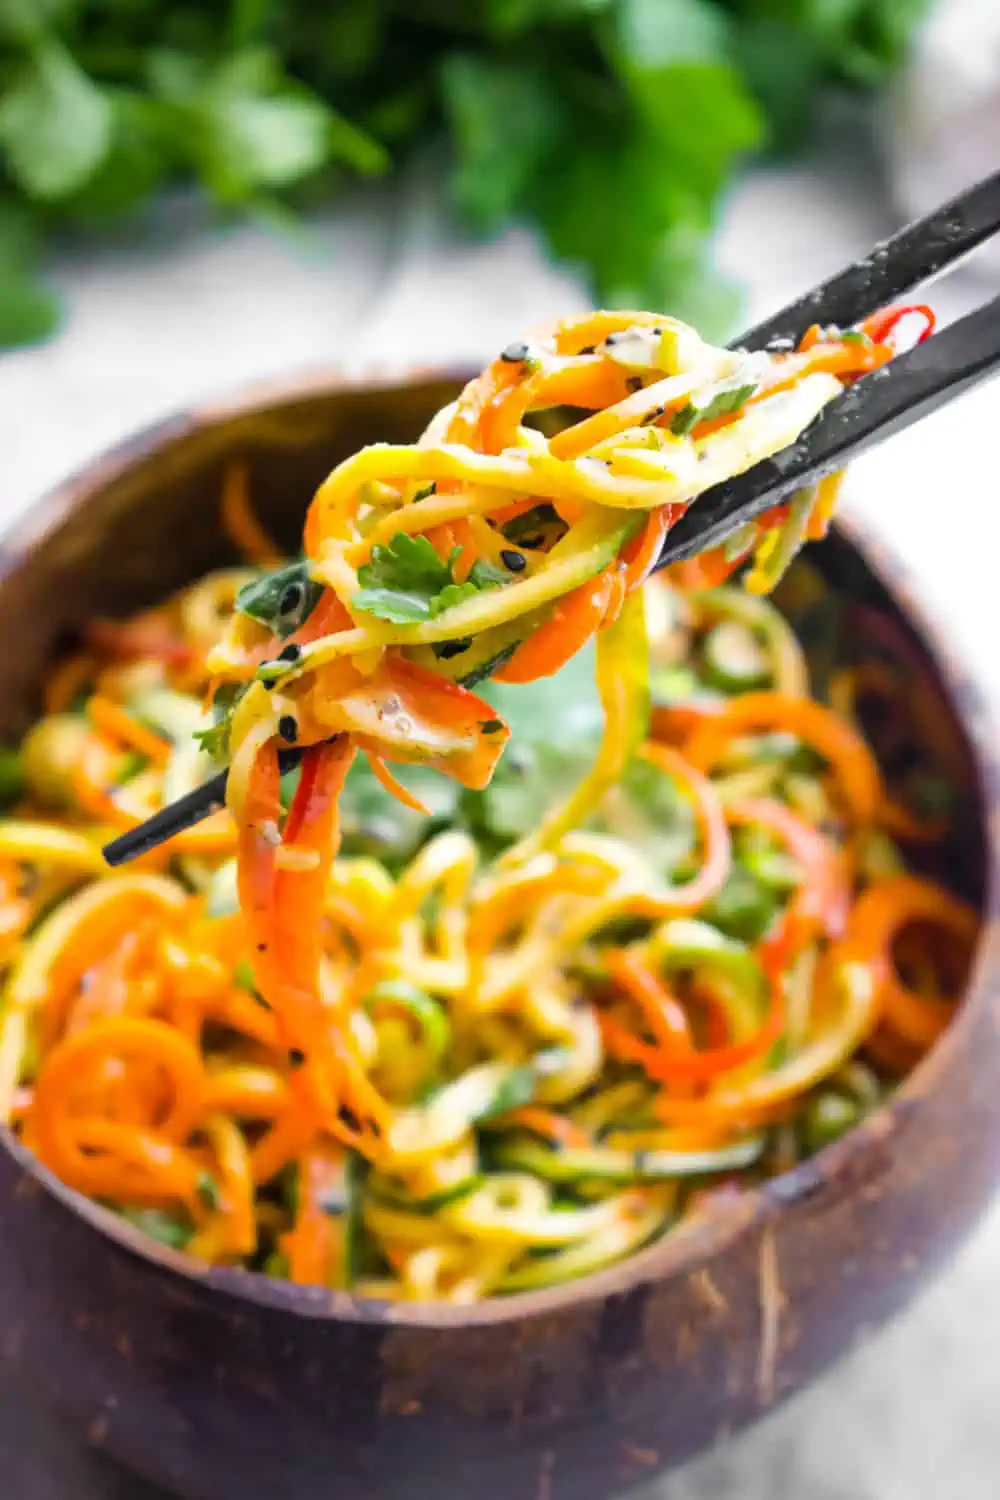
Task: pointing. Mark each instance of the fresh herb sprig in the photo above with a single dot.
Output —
(406, 581)
(614, 124)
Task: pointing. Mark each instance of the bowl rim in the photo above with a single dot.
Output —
(691, 1245)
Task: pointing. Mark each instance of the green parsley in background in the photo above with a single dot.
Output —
(614, 125)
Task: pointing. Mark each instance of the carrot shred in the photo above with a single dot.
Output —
(242, 527)
(394, 787)
(852, 763)
(156, 1054)
(574, 619)
(117, 723)
(667, 1061)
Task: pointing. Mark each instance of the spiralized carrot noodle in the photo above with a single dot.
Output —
(366, 1028)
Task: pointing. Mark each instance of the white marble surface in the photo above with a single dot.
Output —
(185, 313)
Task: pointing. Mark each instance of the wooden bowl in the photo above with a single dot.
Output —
(223, 1386)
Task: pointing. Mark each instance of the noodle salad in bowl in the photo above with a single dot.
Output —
(538, 1006)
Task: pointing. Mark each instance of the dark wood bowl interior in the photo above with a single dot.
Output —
(220, 1385)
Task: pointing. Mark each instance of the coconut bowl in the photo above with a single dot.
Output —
(219, 1385)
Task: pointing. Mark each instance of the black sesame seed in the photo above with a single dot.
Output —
(514, 562)
(653, 416)
(290, 652)
(288, 728)
(261, 947)
(349, 1118)
(492, 726)
(515, 354)
(290, 599)
(296, 1057)
(613, 338)
(634, 383)
(589, 349)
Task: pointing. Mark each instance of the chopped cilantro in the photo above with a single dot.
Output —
(406, 582)
(281, 601)
(214, 740)
(485, 576)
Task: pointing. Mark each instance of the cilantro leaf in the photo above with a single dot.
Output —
(450, 595)
(486, 575)
(654, 196)
(283, 600)
(482, 575)
(502, 114)
(615, 125)
(508, 17)
(55, 123)
(401, 580)
(134, 165)
(28, 310)
(647, 35)
(249, 139)
(248, 126)
(214, 740)
(783, 66)
(27, 20)
(406, 581)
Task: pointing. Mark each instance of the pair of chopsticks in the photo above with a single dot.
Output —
(877, 406)
(874, 408)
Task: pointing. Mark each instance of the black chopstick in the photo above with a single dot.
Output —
(912, 386)
(188, 810)
(891, 270)
(873, 409)
(879, 404)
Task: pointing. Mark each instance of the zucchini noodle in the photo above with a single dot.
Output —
(491, 1059)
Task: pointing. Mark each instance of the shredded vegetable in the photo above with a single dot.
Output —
(475, 1049)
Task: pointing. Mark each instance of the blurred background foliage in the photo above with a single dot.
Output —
(612, 125)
